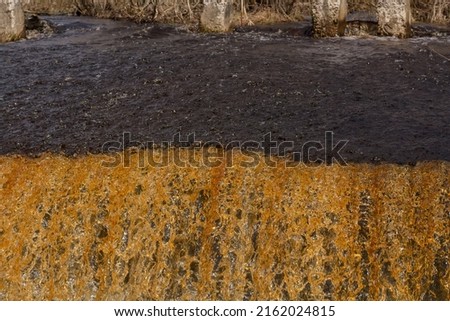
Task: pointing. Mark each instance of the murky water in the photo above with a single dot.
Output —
(94, 79)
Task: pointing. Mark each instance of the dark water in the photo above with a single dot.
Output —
(93, 80)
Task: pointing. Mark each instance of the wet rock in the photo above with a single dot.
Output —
(33, 23)
(36, 26)
(12, 20)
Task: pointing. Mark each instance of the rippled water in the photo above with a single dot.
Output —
(92, 80)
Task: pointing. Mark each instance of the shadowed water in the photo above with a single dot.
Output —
(92, 80)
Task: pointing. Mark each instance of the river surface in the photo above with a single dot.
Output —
(94, 80)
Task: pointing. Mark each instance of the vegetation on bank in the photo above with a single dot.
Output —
(246, 11)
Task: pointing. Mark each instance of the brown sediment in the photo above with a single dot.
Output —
(73, 229)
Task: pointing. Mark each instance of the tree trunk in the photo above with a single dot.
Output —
(394, 18)
(217, 15)
(327, 17)
(12, 20)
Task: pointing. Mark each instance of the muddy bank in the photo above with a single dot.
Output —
(93, 80)
(73, 229)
